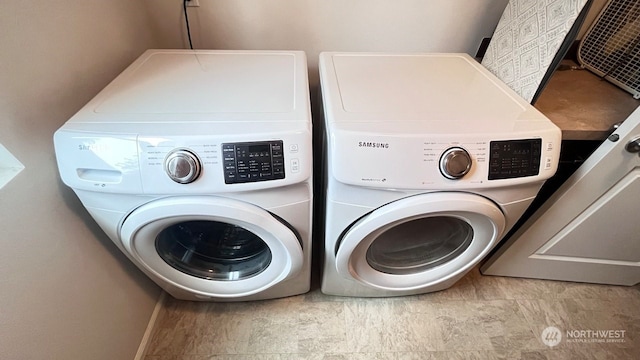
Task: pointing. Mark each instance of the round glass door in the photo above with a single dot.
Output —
(418, 245)
(419, 241)
(213, 250)
(211, 246)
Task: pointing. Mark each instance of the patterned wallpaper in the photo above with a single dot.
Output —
(528, 36)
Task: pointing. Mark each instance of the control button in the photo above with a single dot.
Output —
(547, 163)
(182, 166)
(293, 148)
(549, 146)
(295, 165)
(455, 163)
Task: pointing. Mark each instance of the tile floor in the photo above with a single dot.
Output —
(481, 317)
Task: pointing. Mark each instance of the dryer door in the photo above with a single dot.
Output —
(212, 246)
(419, 241)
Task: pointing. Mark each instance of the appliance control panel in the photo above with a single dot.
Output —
(212, 164)
(197, 164)
(514, 158)
(443, 161)
(253, 161)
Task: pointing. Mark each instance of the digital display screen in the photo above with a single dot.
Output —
(254, 161)
(514, 158)
(263, 148)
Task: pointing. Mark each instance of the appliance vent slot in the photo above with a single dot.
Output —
(611, 49)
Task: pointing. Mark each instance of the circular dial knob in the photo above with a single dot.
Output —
(182, 166)
(455, 163)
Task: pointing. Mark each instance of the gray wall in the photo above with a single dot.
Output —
(329, 25)
(65, 290)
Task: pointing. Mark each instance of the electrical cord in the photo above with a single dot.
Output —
(186, 20)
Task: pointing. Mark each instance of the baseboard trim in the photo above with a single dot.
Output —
(142, 349)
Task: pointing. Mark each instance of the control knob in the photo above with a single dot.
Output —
(455, 163)
(182, 166)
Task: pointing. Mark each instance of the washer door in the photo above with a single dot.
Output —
(212, 246)
(419, 241)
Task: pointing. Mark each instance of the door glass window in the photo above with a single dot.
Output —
(418, 245)
(213, 250)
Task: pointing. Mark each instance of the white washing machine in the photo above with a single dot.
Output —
(429, 160)
(198, 165)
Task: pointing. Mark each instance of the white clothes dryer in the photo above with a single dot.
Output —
(198, 165)
(429, 160)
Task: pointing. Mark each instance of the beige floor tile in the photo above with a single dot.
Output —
(584, 352)
(167, 342)
(407, 330)
(365, 321)
(452, 324)
(272, 336)
(471, 355)
(493, 325)
(273, 329)
(322, 328)
(481, 317)
(497, 287)
(390, 356)
(570, 315)
(572, 290)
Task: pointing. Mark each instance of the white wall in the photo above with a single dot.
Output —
(329, 25)
(65, 290)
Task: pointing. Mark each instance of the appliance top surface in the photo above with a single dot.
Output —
(421, 91)
(205, 85)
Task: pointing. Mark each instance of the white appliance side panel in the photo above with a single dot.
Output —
(594, 211)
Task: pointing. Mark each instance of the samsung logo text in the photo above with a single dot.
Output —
(374, 145)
